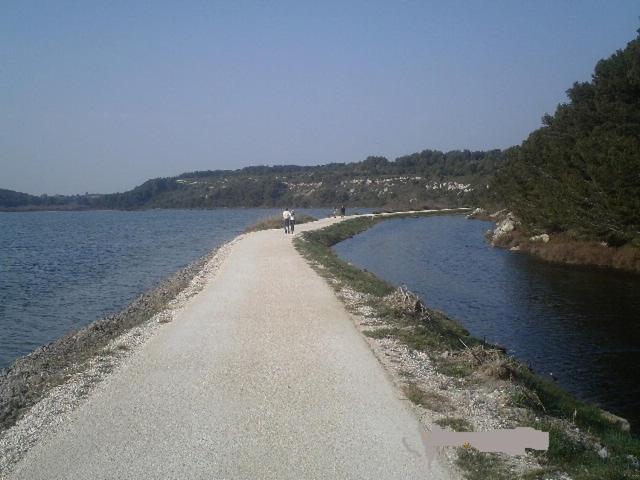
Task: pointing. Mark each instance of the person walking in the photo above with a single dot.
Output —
(292, 221)
(286, 216)
(342, 211)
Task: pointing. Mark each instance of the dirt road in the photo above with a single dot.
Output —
(262, 375)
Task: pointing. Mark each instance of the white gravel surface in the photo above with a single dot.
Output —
(261, 375)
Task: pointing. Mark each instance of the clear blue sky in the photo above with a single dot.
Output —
(100, 95)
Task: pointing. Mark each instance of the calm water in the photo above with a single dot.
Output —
(580, 324)
(62, 270)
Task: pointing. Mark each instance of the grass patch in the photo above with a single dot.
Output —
(525, 398)
(381, 333)
(271, 223)
(453, 369)
(316, 247)
(455, 423)
(582, 461)
(564, 248)
(564, 449)
(430, 400)
(406, 374)
(481, 466)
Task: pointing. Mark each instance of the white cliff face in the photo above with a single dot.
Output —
(477, 212)
(503, 228)
(449, 186)
(544, 238)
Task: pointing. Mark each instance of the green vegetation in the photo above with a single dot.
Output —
(481, 466)
(574, 426)
(456, 424)
(429, 177)
(430, 400)
(579, 173)
(319, 250)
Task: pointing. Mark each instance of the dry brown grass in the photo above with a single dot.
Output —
(500, 369)
(455, 424)
(564, 249)
(488, 363)
(430, 400)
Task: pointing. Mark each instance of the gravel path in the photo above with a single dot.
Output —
(261, 375)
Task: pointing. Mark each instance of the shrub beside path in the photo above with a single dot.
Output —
(262, 375)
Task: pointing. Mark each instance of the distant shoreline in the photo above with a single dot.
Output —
(89, 209)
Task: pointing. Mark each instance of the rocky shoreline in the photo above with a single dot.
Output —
(557, 248)
(469, 405)
(39, 390)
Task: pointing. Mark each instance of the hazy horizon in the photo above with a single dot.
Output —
(101, 97)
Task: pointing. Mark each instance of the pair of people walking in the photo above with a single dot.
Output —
(289, 217)
(342, 211)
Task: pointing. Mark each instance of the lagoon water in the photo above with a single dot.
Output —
(582, 325)
(59, 271)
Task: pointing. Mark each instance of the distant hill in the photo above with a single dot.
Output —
(428, 178)
(580, 172)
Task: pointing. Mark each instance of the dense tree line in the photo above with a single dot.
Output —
(10, 199)
(267, 186)
(580, 172)
(428, 163)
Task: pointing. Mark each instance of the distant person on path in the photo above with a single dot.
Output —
(292, 221)
(342, 210)
(335, 212)
(286, 216)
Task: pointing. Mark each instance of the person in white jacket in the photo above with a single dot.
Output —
(286, 216)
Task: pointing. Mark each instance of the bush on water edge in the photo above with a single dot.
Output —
(547, 406)
(568, 249)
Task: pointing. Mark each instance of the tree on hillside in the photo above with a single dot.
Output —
(580, 172)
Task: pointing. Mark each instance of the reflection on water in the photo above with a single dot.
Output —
(582, 325)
